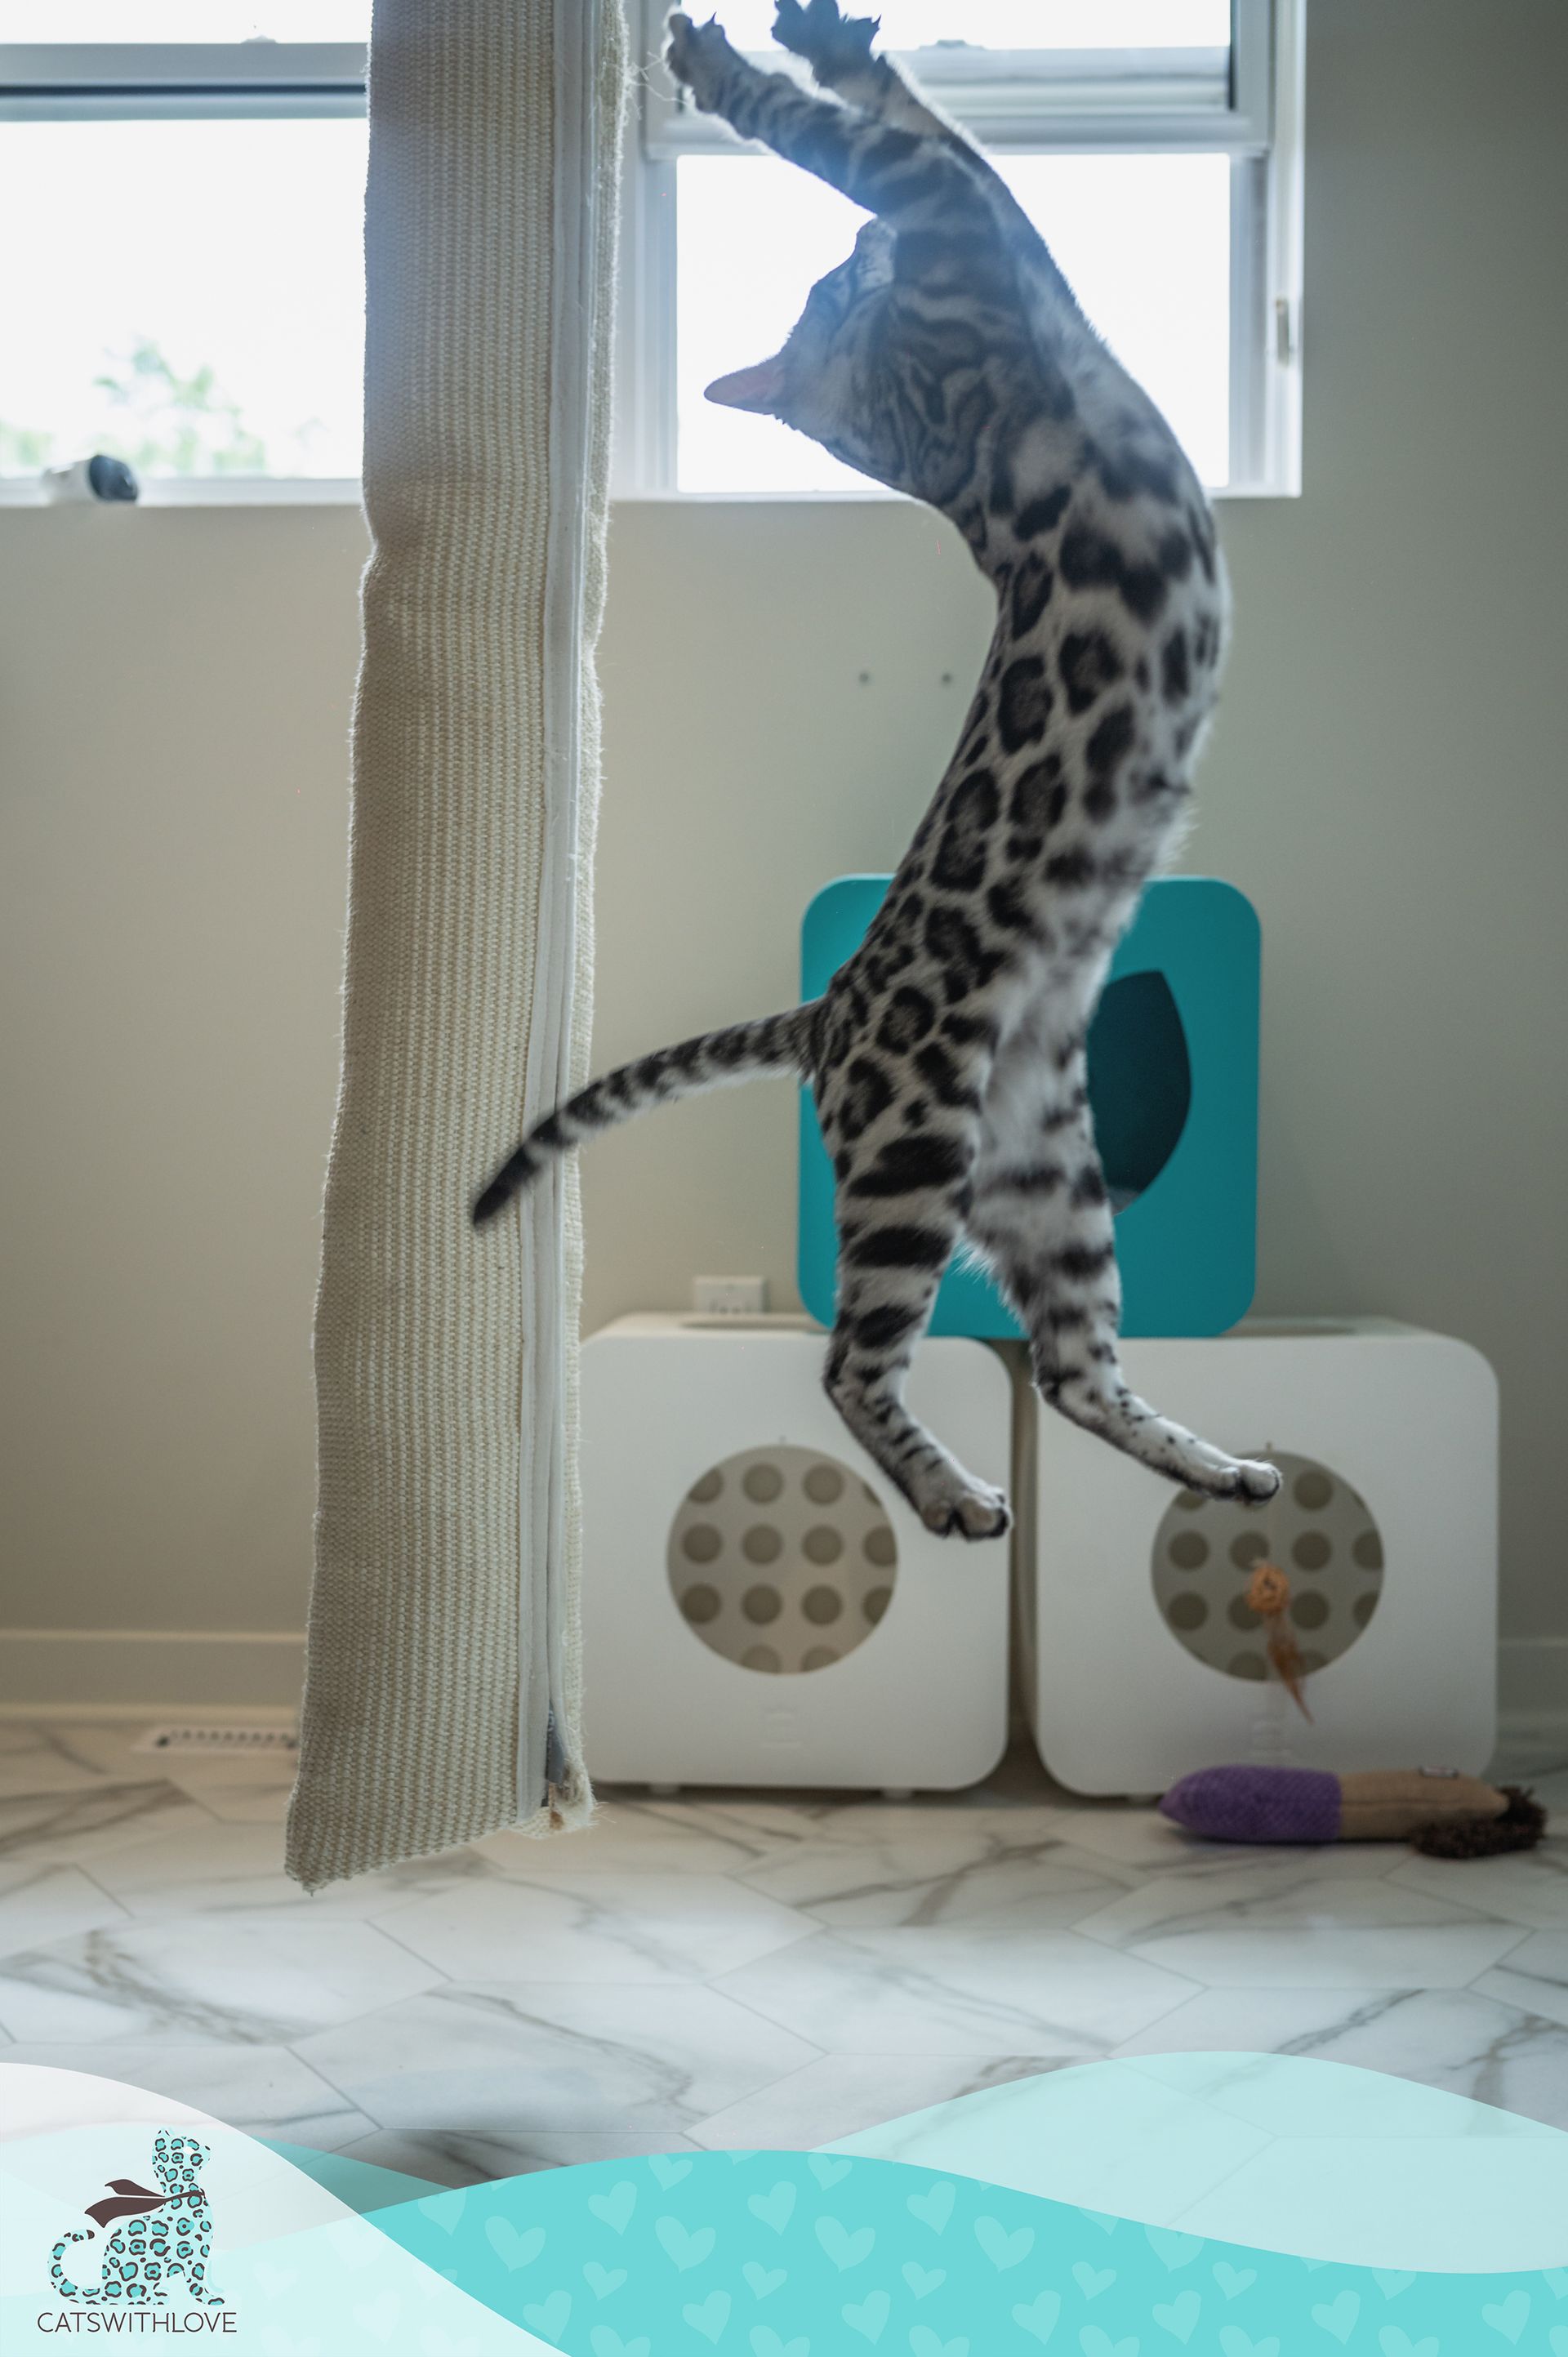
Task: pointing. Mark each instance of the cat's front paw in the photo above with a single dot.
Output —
(821, 33)
(698, 56)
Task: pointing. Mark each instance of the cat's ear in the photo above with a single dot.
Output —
(760, 388)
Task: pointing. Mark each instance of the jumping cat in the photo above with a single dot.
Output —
(948, 359)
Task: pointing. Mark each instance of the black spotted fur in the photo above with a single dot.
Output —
(948, 359)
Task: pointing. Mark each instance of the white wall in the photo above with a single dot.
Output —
(1386, 781)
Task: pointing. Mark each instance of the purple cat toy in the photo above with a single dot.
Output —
(1441, 1811)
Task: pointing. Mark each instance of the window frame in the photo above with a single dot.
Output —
(1085, 102)
(95, 81)
(92, 82)
(1090, 102)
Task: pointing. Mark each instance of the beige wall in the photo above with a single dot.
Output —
(1387, 781)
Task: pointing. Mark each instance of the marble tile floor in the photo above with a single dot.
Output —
(726, 1970)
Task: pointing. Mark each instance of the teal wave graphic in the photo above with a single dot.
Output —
(1285, 2152)
(1229, 2205)
(811, 2254)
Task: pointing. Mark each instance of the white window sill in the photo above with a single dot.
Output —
(203, 492)
(306, 492)
(874, 497)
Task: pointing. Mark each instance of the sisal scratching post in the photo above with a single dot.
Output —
(442, 1682)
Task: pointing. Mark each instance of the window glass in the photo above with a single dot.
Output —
(1144, 241)
(185, 20)
(186, 294)
(1015, 23)
(906, 23)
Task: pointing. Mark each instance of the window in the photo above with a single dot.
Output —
(180, 232)
(1143, 239)
(1155, 143)
(180, 239)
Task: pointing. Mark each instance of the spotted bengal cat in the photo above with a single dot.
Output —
(948, 359)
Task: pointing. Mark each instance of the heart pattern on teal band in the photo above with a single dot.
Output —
(812, 2254)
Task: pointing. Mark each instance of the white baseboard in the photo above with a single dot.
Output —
(125, 1673)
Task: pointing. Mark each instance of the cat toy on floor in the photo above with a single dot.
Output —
(1268, 1595)
(1436, 1810)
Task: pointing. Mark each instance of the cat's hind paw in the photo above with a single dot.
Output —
(979, 1512)
(1246, 1479)
(1256, 1483)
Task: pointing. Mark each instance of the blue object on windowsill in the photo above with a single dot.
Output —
(1173, 1085)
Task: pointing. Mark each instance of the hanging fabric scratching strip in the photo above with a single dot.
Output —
(442, 1683)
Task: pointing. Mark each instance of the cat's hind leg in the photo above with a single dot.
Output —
(896, 1231)
(1042, 1217)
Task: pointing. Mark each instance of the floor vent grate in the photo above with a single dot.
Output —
(222, 1739)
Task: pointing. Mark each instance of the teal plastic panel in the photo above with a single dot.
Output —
(1172, 1083)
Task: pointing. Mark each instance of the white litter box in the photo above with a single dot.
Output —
(760, 1605)
(1143, 1660)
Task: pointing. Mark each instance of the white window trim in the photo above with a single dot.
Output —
(202, 492)
(1071, 99)
(94, 82)
(1098, 102)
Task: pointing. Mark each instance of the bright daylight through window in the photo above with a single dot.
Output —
(1145, 241)
(181, 259)
(181, 189)
(194, 294)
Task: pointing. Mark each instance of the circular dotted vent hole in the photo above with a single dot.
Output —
(783, 1559)
(1319, 1530)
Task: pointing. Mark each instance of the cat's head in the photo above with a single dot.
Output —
(844, 377)
(179, 2160)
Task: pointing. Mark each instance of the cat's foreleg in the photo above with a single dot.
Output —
(890, 1264)
(198, 2289)
(838, 50)
(906, 179)
(1043, 1221)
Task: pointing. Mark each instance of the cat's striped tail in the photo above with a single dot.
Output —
(774, 1043)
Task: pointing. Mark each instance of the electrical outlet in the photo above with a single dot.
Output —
(729, 1297)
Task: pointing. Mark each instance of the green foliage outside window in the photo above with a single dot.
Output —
(170, 423)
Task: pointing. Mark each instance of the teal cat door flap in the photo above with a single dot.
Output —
(1173, 1085)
